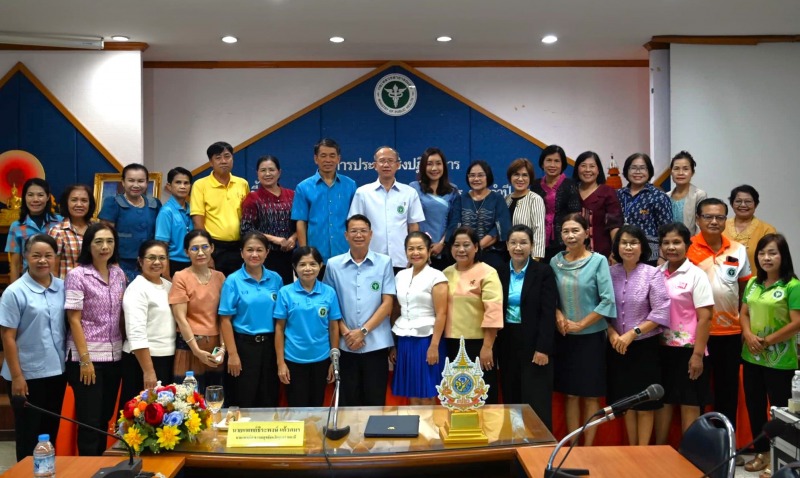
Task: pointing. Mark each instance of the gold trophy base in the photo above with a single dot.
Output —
(464, 428)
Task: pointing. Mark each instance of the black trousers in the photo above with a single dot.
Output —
(724, 355)
(281, 262)
(307, 383)
(364, 378)
(473, 347)
(94, 404)
(522, 380)
(133, 376)
(761, 383)
(227, 256)
(47, 393)
(258, 384)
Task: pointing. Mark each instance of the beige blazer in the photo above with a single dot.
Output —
(694, 196)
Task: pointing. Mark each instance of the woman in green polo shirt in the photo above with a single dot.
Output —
(770, 320)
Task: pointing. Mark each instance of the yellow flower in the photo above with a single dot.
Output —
(209, 420)
(168, 436)
(193, 423)
(134, 439)
(136, 412)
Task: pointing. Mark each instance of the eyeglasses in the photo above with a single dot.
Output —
(476, 175)
(384, 162)
(638, 168)
(358, 232)
(710, 217)
(152, 258)
(743, 202)
(631, 244)
(196, 249)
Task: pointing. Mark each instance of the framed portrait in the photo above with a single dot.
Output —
(110, 184)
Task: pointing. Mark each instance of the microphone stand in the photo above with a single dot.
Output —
(335, 433)
(572, 472)
(121, 470)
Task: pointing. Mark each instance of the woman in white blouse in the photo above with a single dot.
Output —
(526, 207)
(422, 294)
(149, 348)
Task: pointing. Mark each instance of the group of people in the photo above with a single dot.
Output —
(564, 285)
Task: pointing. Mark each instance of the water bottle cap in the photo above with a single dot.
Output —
(796, 372)
(190, 373)
(44, 437)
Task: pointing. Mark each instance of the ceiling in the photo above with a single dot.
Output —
(182, 30)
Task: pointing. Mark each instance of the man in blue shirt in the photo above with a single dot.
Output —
(364, 283)
(174, 221)
(321, 203)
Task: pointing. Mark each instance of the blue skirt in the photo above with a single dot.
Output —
(413, 377)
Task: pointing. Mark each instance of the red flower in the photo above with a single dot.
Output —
(172, 389)
(127, 410)
(154, 414)
(198, 399)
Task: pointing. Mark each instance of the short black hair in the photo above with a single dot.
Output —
(486, 170)
(85, 257)
(357, 217)
(710, 202)
(218, 148)
(637, 233)
(328, 143)
(677, 227)
(64, 203)
(683, 155)
(176, 171)
(303, 251)
(787, 268)
(40, 238)
(254, 235)
(193, 234)
(268, 157)
(554, 149)
(647, 162)
(747, 189)
(419, 235)
(472, 234)
(521, 228)
(145, 246)
(135, 167)
(586, 155)
(24, 212)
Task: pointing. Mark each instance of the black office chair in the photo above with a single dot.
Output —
(788, 471)
(709, 441)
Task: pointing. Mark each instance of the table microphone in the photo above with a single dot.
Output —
(129, 469)
(334, 432)
(335, 354)
(653, 392)
(771, 429)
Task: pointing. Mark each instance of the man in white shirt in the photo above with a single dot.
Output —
(393, 208)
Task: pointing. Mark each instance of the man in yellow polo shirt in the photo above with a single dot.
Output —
(216, 206)
(725, 262)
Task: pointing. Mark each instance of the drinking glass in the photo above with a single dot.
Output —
(215, 396)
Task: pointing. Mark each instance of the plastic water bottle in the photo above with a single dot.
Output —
(190, 380)
(44, 458)
(796, 385)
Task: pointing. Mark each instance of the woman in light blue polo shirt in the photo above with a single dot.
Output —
(246, 309)
(33, 329)
(304, 334)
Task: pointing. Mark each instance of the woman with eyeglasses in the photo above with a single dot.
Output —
(642, 301)
(484, 211)
(644, 205)
(194, 298)
(745, 228)
(560, 195)
(525, 206)
(149, 348)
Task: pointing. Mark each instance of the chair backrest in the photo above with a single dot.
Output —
(788, 471)
(708, 442)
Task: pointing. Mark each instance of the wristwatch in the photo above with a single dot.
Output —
(364, 331)
(638, 331)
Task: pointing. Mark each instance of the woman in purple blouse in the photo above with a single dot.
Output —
(94, 292)
(642, 309)
(599, 202)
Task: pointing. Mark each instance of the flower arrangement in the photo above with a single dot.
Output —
(160, 418)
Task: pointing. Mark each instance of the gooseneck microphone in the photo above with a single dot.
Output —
(333, 432)
(122, 470)
(771, 429)
(653, 392)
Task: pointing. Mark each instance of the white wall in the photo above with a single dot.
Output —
(103, 90)
(604, 109)
(737, 110)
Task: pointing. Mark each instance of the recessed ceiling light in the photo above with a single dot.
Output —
(229, 39)
(444, 39)
(119, 38)
(549, 39)
(337, 39)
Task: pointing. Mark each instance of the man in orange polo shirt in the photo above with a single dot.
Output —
(728, 270)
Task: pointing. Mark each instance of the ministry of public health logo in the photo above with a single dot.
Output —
(375, 286)
(323, 312)
(395, 94)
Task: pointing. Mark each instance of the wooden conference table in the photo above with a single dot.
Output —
(86, 466)
(507, 427)
(613, 461)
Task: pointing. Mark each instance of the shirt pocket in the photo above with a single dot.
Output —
(32, 359)
(728, 273)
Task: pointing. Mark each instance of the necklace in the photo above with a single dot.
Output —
(204, 281)
(139, 203)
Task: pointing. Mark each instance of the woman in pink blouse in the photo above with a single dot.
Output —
(94, 292)
(683, 351)
(642, 309)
